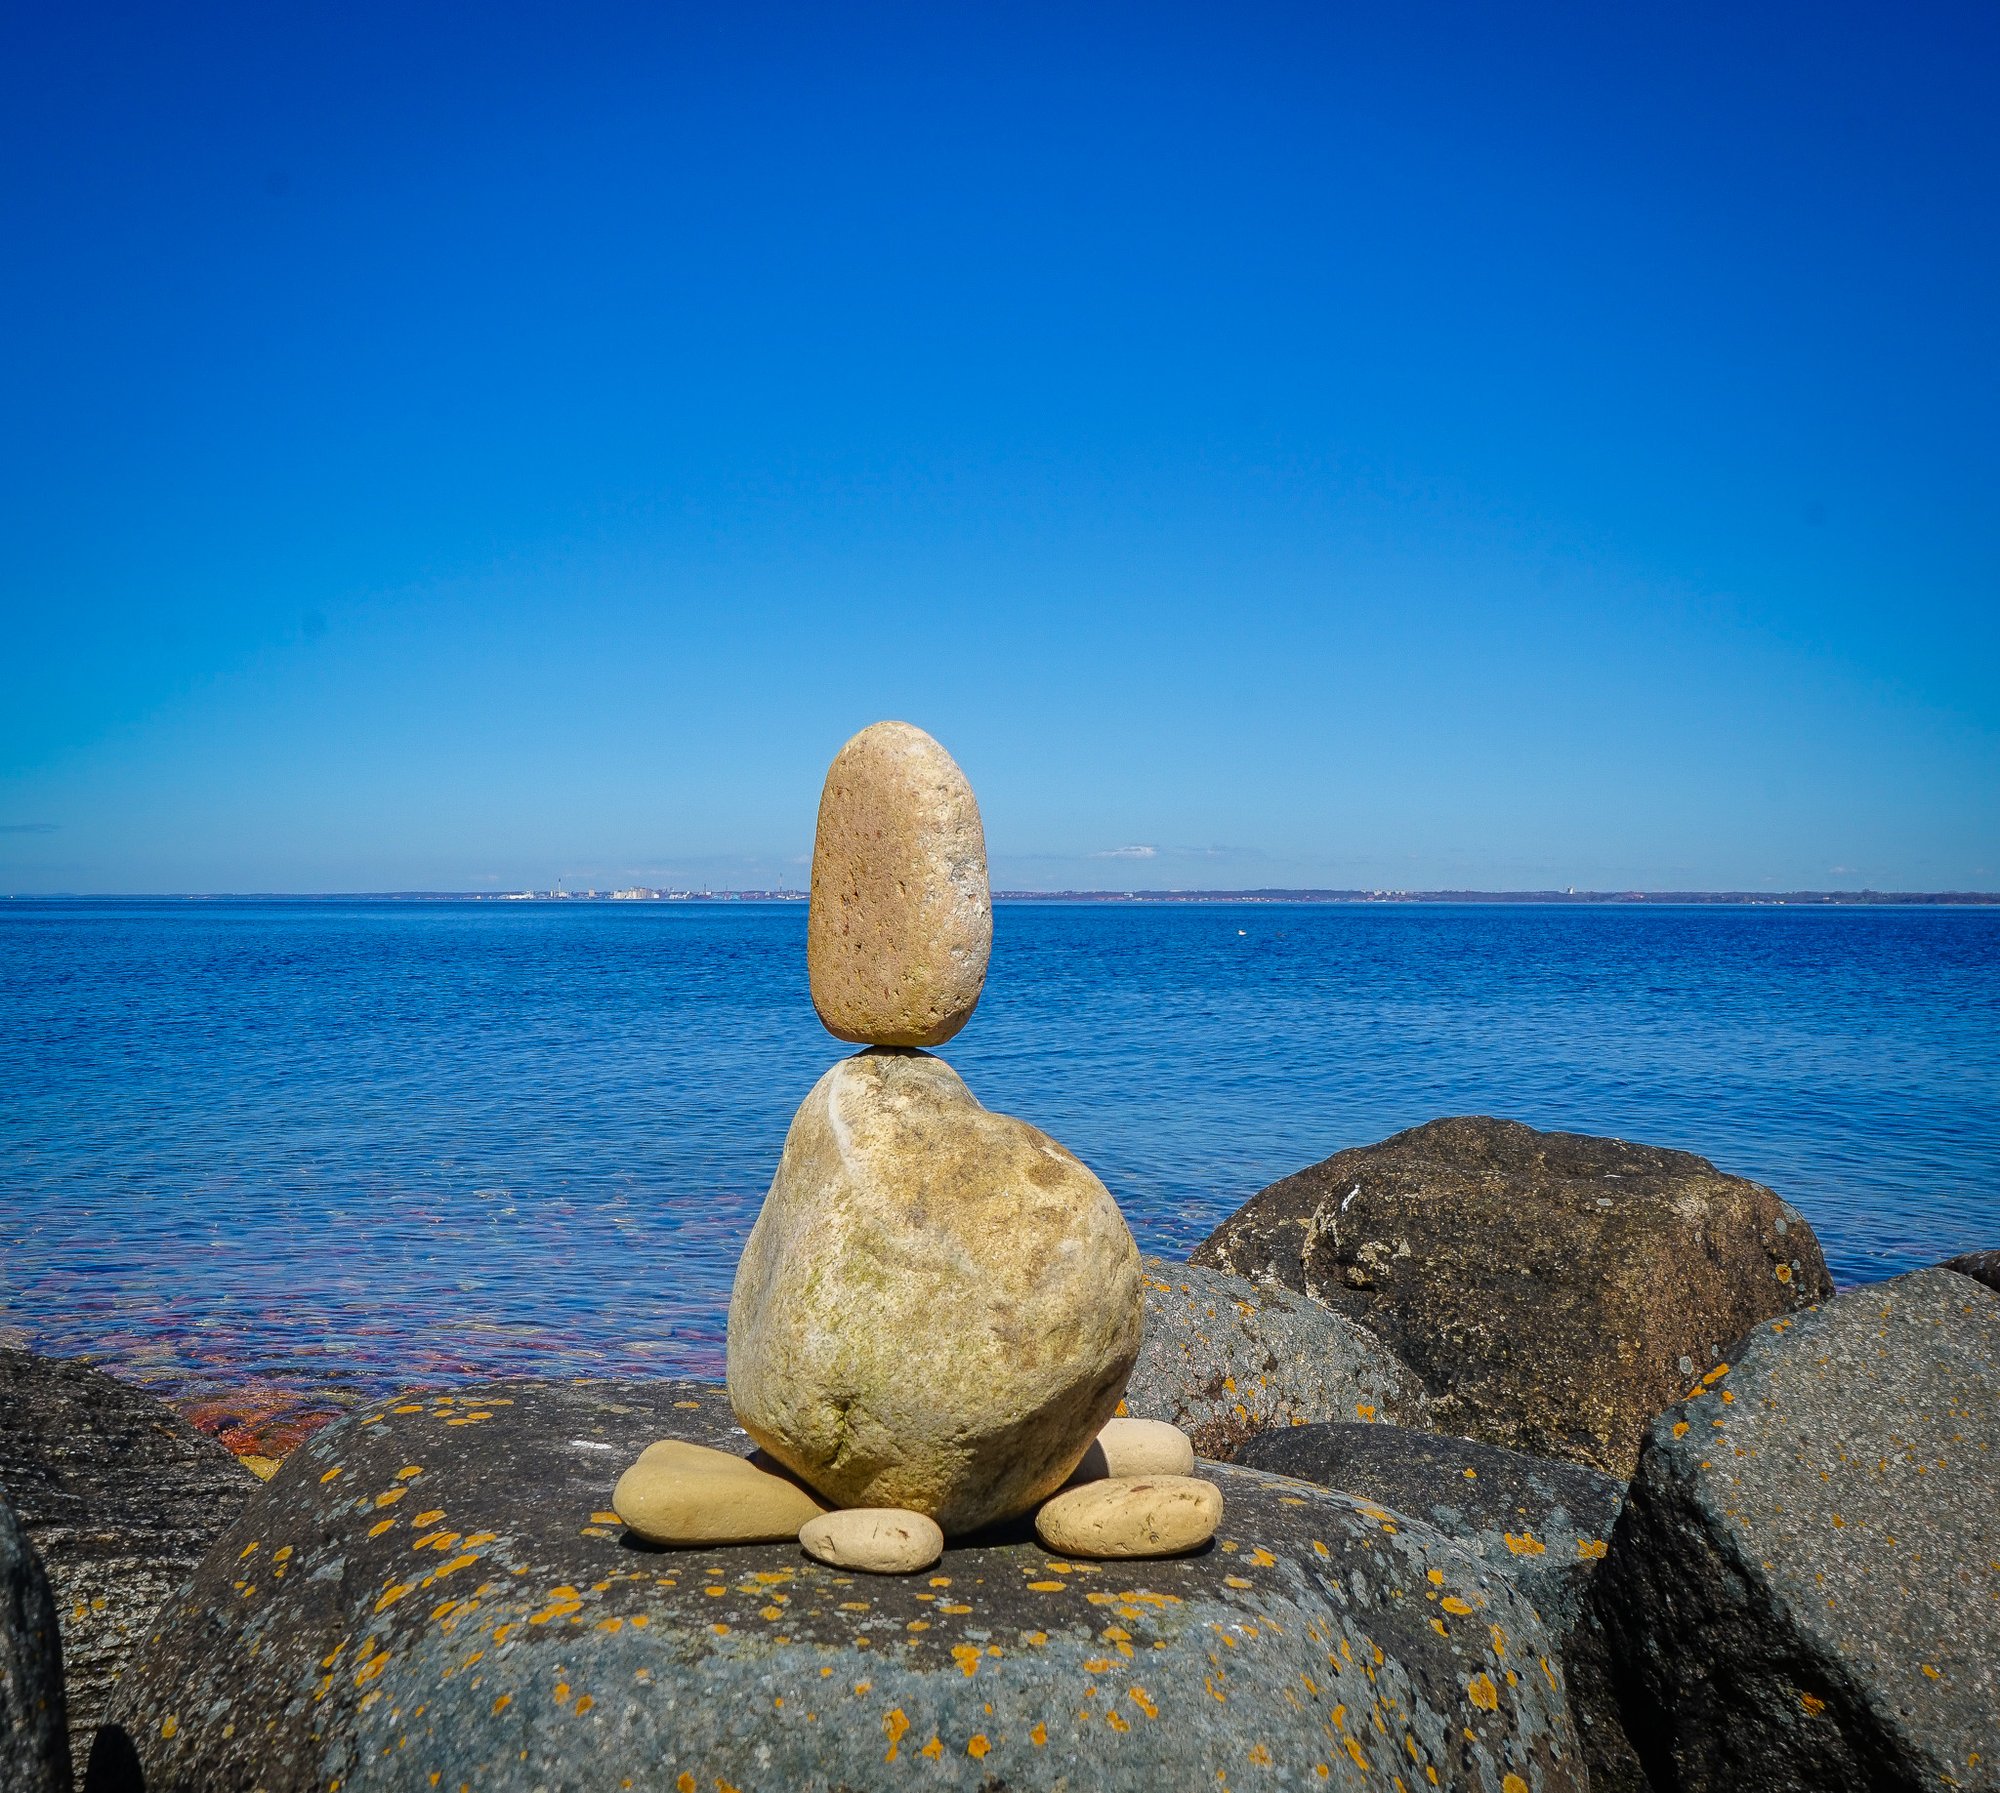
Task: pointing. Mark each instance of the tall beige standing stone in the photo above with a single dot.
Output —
(902, 919)
(938, 1306)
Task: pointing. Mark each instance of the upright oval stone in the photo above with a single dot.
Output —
(938, 1306)
(902, 919)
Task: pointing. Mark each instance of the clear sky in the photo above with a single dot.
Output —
(466, 447)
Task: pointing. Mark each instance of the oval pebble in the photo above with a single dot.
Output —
(881, 1540)
(686, 1494)
(1136, 1447)
(901, 919)
(1131, 1516)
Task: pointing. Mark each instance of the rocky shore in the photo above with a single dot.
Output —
(1478, 1458)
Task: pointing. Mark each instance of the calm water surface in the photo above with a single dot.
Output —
(350, 1145)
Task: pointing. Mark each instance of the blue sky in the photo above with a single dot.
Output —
(1412, 446)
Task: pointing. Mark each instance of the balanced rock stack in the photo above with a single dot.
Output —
(938, 1307)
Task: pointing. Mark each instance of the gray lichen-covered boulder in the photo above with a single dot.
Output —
(1551, 1290)
(1803, 1591)
(1225, 1359)
(1544, 1525)
(1981, 1266)
(435, 1594)
(120, 1496)
(34, 1745)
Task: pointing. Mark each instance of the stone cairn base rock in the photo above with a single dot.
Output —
(1543, 1525)
(415, 1602)
(1225, 1359)
(1981, 1266)
(1803, 1590)
(34, 1741)
(120, 1497)
(938, 1307)
(1552, 1291)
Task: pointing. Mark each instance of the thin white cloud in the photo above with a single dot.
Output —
(1128, 853)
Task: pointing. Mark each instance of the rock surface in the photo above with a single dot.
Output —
(881, 1540)
(416, 1598)
(1553, 1291)
(120, 1497)
(901, 921)
(1981, 1266)
(1803, 1591)
(1131, 1516)
(1225, 1358)
(1128, 1447)
(1543, 1525)
(937, 1307)
(34, 1743)
(685, 1495)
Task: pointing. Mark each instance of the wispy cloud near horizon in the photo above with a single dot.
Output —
(29, 827)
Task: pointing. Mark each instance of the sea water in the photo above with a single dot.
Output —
(347, 1146)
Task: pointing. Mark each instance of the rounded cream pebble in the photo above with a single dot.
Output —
(1135, 1447)
(686, 1494)
(881, 1540)
(1131, 1516)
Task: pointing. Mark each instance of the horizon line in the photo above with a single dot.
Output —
(1307, 895)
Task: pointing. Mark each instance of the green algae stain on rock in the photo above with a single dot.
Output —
(1297, 1647)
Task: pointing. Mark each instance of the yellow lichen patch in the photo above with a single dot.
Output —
(1454, 1605)
(408, 1407)
(1435, 1577)
(957, 1609)
(1482, 1693)
(1046, 1587)
(1234, 1581)
(1144, 1701)
(1783, 1273)
(1260, 1558)
(1715, 1375)
(371, 1668)
(1589, 1549)
(330, 1474)
(1117, 1723)
(966, 1656)
(392, 1595)
(169, 1725)
(1513, 1783)
(977, 1747)
(1525, 1544)
(1680, 1428)
(1354, 1749)
(1362, 1410)
(932, 1749)
(893, 1726)
(389, 1497)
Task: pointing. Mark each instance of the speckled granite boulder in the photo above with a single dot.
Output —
(1552, 1291)
(1803, 1591)
(1981, 1266)
(34, 1745)
(937, 1307)
(1542, 1524)
(120, 1497)
(1225, 1358)
(433, 1590)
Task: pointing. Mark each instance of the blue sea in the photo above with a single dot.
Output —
(336, 1147)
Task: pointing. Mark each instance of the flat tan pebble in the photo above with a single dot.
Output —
(881, 1540)
(1131, 1516)
(686, 1494)
(1136, 1447)
(901, 920)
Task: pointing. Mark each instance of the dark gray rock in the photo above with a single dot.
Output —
(1542, 1524)
(1803, 1591)
(1552, 1291)
(1981, 1266)
(34, 1744)
(435, 1593)
(120, 1496)
(1225, 1358)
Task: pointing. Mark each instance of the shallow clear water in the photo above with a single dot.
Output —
(347, 1146)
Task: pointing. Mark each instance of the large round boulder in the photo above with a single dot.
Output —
(1803, 1591)
(1225, 1358)
(34, 1745)
(434, 1595)
(901, 921)
(937, 1308)
(1553, 1291)
(120, 1497)
(1545, 1526)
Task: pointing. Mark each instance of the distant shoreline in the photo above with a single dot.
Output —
(1135, 898)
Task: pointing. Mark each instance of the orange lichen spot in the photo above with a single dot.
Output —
(1437, 1625)
(1926, 1667)
(1038, 1638)
(392, 1595)
(1813, 1704)
(1260, 1558)
(1354, 1749)
(330, 1474)
(1144, 1701)
(1097, 1665)
(918, 1625)
(1680, 1428)
(390, 1496)
(966, 1656)
(1590, 1549)
(169, 1725)
(1525, 1544)
(1039, 1736)
(1234, 1581)
(1783, 1273)
(893, 1726)
(584, 1703)
(1715, 1375)
(1320, 1549)
(684, 1783)
(371, 1668)
(408, 1407)
(1046, 1587)
(1362, 1410)
(503, 1702)
(1453, 1604)
(957, 1609)
(933, 1749)
(1482, 1693)
(604, 1519)
(1117, 1723)
(1513, 1783)
(409, 1470)
(720, 1630)
(1435, 1577)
